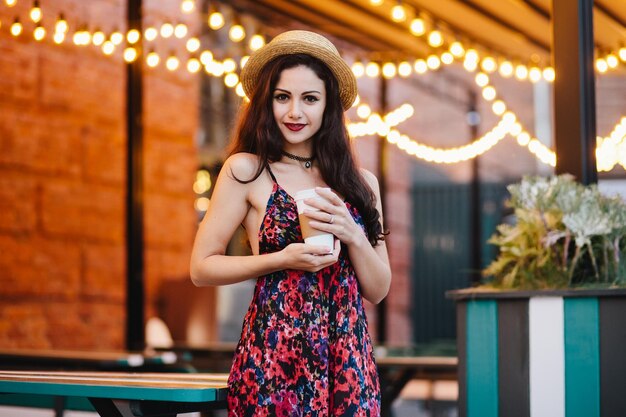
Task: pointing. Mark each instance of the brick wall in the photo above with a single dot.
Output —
(63, 181)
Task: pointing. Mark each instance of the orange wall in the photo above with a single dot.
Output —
(63, 180)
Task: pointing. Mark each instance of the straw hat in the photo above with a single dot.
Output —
(301, 42)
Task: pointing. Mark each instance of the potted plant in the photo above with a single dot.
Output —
(545, 334)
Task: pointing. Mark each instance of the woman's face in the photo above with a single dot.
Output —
(298, 103)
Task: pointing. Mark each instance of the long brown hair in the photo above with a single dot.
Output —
(258, 133)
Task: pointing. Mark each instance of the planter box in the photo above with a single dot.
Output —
(541, 353)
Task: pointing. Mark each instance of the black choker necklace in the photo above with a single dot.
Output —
(308, 162)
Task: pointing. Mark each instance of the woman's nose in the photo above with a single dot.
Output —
(294, 111)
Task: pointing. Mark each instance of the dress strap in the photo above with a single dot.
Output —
(271, 173)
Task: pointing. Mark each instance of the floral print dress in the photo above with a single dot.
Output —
(305, 349)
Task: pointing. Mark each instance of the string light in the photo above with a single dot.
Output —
(193, 44)
(457, 49)
(58, 37)
(172, 63)
(16, 28)
(256, 42)
(187, 6)
(150, 34)
(194, 65)
(435, 39)
(404, 69)
(152, 59)
(389, 70)
(358, 69)
(433, 62)
(236, 33)
(130, 54)
(181, 30)
(216, 19)
(98, 38)
(534, 75)
(133, 36)
(622, 53)
(167, 30)
(108, 47)
(372, 69)
(229, 65)
(418, 27)
(11, 3)
(39, 33)
(206, 57)
(35, 12)
(398, 14)
(231, 80)
(243, 61)
(116, 38)
(548, 74)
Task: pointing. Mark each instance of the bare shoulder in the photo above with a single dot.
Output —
(371, 179)
(241, 165)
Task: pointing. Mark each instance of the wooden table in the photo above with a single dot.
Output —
(122, 360)
(119, 394)
(396, 371)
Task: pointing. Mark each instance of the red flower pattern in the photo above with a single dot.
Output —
(305, 349)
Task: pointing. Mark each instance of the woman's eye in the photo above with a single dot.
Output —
(281, 97)
(311, 99)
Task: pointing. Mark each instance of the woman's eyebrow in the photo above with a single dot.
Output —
(282, 89)
(312, 91)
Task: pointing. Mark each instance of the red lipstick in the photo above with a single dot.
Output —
(295, 127)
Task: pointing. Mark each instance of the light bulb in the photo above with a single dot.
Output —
(35, 13)
(488, 64)
(167, 30)
(612, 61)
(116, 38)
(216, 20)
(622, 53)
(236, 33)
(521, 72)
(372, 69)
(548, 74)
(180, 31)
(229, 65)
(457, 49)
(418, 27)
(39, 33)
(193, 65)
(358, 69)
(244, 59)
(187, 6)
(172, 63)
(231, 80)
(193, 44)
(435, 39)
(61, 25)
(206, 57)
(130, 54)
(601, 65)
(108, 47)
(153, 59)
(256, 42)
(398, 14)
(389, 70)
(433, 62)
(534, 75)
(447, 58)
(16, 28)
(133, 36)
(58, 37)
(420, 66)
(98, 38)
(150, 34)
(404, 69)
(506, 69)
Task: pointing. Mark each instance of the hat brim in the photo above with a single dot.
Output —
(302, 42)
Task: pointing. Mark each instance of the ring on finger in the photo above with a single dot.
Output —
(332, 219)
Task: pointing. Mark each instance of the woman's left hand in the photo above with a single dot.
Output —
(333, 217)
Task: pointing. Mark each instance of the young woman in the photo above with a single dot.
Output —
(305, 349)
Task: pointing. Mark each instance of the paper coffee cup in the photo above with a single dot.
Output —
(311, 236)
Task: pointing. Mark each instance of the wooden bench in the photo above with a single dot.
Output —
(120, 394)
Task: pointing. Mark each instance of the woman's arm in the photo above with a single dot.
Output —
(371, 264)
(229, 206)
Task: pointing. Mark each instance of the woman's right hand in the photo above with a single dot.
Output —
(310, 258)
